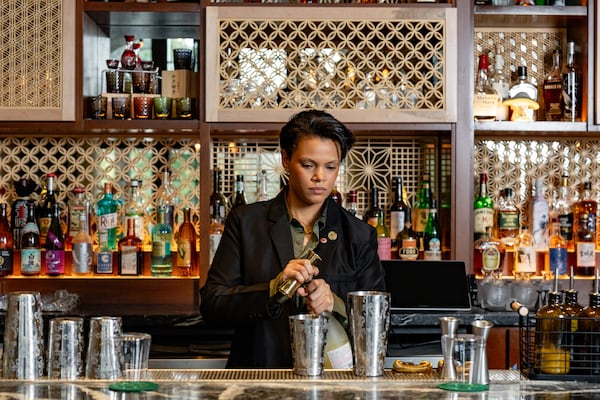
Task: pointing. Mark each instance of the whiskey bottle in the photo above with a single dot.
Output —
(432, 237)
(186, 246)
(523, 89)
(564, 212)
(82, 247)
(240, 195)
(483, 213)
(488, 254)
(557, 251)
(134, 210)
(31, 254)
(6, 243)
(553, 89)
(55, 245)
(501, 84)
(571, 87)
(162, 235)
(486, 101)
(77, 205)
(585, 241)
(508, 223)
(131, 258)
(525, 257)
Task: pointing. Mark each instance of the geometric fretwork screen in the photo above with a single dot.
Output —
(518, 163)
(278, 60)
(89, 162)
(37, 59)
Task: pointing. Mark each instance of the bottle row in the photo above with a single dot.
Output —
(561, 232)
(498, 98)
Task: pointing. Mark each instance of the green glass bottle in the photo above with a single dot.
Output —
(421, 210)
(432, 237)
(483, 209)
(108, 210)
(384, 241)
(162, 235)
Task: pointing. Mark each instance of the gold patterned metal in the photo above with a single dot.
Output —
(37, 60)
(364, 64)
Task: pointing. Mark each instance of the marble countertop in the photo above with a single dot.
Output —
(200, 384)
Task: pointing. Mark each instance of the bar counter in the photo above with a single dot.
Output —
(283, 384)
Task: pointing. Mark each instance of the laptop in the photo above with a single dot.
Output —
(427, 285)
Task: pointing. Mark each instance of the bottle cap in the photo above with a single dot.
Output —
(483, 61)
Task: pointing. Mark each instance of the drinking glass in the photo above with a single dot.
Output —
(162, 107)
(142, 107)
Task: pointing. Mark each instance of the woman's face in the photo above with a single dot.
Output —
(313, 169)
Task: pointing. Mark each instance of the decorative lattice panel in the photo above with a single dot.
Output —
(370, 163)
(518, 163)
(338, 59)
(530, 47)
(36, 54)
(90, 162)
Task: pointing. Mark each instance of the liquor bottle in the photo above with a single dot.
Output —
(6, 243)
(557, 250)
(564, 212)
(162, 235)
(128, 57)
(573, 309)
(501, 84)
(525, 260)
(407, 239)
(55, 245)
(240, 195)
(24, 188)
(397, 211)
(585, 241)
(553, 88)
(108, 211)
(539, 213)
(384, 241)
(485, 106)
(508, 223)
(263, 194)
(373, 212)
(571, 87)
(186, 246)
(218, 201)
(79, 204)
(338, 351)
(421, 210)
(215, 230)
(336, 196)
(131, 257)
(589, 334)
(352, 203)
(31, 254)
(82, 247)
(523, 89)
(483, 209)
(166, 199)
(134, 210)
(488, 254)
(432, 240)
(551, 322)
(46, 208)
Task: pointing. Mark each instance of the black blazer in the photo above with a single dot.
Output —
(255, 247)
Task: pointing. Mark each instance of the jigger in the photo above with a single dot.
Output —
(449, 326)
(481, 330)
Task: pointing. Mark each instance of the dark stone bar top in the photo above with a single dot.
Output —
(283, 384)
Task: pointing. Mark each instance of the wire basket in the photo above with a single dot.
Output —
(560, 349)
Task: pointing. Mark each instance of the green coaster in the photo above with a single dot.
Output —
(463, 387)
(133, 386)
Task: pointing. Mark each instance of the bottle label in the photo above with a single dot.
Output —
(483, 217)
(74, 221)
(214, 240)
(525, 260)
(421, 217)
(104, 262)
(19, 219)
(107, 222)
(341, 358)
(508, 220)
(570, 96)
(490, 259)
(384, 248)
(409, 250)
(138, 222)
(396, 223)
(129, 260)
(55, 262)
(184, 253)
(586, 256)
(44, 226)
(31, 261)
(566, 226)
(82, 258)
(485, 106)
(161, 248)
(6, 260)
(539, 215)
(434, 250)
(558, 260)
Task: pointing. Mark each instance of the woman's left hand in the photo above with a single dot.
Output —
(318, 296)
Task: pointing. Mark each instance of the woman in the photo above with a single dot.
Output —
(262, 245)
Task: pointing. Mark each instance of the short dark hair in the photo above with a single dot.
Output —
(315, 123)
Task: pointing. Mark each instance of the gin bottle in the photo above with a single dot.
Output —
(162, 235)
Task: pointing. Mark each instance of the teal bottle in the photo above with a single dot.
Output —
(108, 217)
(162, 235)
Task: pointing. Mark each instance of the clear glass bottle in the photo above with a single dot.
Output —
(553, 89)
(525, 260)
(55, 245)
(557, 250)
(162, 235)
(539, 214)
(263, 194)
(131, 257)
(240, 194)
(564, 212)
(134, 210)
(82, 247)
(483, 209)
(215, 230)
(31, 253)
(501, 84)
(488, 254)
(6, 243)
(77, 205)
(166, 199)
(585, 241)
(486, 101)
(432, 240)
(571, 87)
(186, 246)
(352, 203)
(46, 208)
(523, 88)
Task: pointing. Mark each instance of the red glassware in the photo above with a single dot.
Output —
(129, 58)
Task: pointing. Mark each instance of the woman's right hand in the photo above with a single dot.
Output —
(300, 269)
